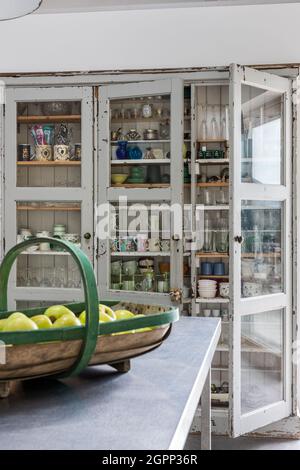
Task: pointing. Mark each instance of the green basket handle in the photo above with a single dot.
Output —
(90, 292)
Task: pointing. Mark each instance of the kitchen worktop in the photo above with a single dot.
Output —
(150, 407)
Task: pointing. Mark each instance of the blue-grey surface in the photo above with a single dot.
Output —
(102, 409)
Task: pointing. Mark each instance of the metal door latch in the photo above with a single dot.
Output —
(238, 239)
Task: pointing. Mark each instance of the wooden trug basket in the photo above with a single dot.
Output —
(67, 351)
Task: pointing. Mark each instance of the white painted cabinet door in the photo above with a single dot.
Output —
(48, 183)
(140, 168)
(261, 247)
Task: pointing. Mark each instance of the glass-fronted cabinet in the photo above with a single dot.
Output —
(49, 170)
(141, 179)
(179, 193)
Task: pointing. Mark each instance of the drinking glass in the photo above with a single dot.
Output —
(222, 241)
(214, 128)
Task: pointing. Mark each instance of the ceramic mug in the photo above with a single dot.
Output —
(43, 153)
(44, 246)
(154, 244)
(61, 152)
(127, 244)
(141, 243)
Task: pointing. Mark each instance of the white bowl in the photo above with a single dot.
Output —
(207, 295)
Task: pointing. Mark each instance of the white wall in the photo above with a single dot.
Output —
(189, 37)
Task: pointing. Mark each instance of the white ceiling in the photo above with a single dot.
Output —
(69, 6)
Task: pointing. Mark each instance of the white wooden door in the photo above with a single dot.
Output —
(40, 193)
(156, 179)
(261, 247)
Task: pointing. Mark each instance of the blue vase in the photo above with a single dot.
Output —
(134, 153)
(122, 150)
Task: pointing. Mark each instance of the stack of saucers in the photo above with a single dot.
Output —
(207, 288)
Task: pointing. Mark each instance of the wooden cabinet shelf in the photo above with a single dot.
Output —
(141, 185)
(36, 163)
(49, 208)
(202, 254)
(213, 141)
(217, 184)
(44, 119)
(202, 276)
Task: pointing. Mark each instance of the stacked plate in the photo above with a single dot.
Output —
(207, 288)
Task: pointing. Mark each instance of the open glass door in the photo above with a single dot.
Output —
(139, 220)
(261, 248)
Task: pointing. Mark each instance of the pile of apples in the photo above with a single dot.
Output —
(59, 316)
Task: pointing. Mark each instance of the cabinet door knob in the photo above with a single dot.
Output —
(87, 236)
(238, 239)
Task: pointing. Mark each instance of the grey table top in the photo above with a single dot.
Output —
(147, 408)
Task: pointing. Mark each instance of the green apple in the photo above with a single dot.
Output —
(57, 311)
(16, 315)
(103, 317)
(20, 323)
(123, 315)
(107, 310)
(67, 320)
(2, 323)
(42, 322)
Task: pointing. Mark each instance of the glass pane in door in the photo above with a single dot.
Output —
(261, 260)
(49, 144)
(140, 141)
(140, 247)
(262, 135)
(45, 265)
(262, 373)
